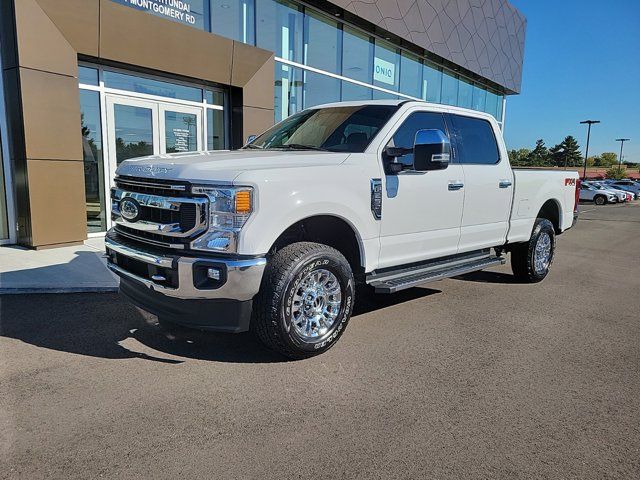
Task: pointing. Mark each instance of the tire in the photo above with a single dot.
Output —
(529, 263)
(305, 300)
(600, 200)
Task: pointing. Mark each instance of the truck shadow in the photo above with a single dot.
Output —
(106, 326)
(487, 276)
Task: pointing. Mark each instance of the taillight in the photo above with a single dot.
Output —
(577, 199)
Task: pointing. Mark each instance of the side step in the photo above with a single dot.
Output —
(394, 281)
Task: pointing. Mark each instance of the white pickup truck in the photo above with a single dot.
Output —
(276, 236)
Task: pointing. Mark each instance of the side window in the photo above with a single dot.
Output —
(406, 133)
(475, 140)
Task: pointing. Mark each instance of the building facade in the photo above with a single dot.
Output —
(89, 83)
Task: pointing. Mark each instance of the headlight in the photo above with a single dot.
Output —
(229, 210)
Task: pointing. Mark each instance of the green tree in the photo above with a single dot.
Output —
(566, 153)
(518, 158)
(608, 159)
(594, 161)
(539, 156)
(617, 172)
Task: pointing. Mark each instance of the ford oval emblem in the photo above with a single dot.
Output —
(130, 210)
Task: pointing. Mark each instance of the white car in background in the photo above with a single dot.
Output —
(595, 195)
(621, 195)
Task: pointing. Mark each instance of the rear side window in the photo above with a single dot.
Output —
(475, 140)
(406, 134)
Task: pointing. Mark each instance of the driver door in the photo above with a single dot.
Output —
(422, 211)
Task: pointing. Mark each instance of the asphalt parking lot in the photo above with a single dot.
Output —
(474, 377)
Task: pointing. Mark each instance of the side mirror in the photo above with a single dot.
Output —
(431, 150)
(251, 138)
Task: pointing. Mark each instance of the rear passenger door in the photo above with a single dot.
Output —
(488, 183)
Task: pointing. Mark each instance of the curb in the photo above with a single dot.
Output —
(47, 290)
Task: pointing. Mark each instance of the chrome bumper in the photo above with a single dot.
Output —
(242, 277)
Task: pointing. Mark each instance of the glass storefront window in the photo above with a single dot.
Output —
(279, 28)
(322, 42)
(357, 56)
(215, 129)
(87, 75)
(410, 75)
(234, 19)
(479, 98)
(352, 92)
(449, 89)
(187, 12)
(181, 131)
(123, 81)
(431, 82)
(319, 89)
(386, 65)
(134, 132)
(214, 97)
(288, 91)
(93, 160)
(492, 104)
(465, 94)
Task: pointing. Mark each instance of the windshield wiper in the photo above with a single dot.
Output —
(299, 146)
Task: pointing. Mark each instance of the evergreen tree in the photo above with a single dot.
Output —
(540, 156)
(571, 153)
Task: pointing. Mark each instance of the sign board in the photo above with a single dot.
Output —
(188, 12)
(383, 71)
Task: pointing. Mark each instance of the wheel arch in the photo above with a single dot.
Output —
(552, 211)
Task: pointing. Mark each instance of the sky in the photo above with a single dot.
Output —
(582, 61)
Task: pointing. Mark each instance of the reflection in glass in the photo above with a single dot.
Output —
(492, 104)
(479, 98)
(322, 42)
(386, 65)
(87, 75)
(410, 75)
(431, 82)
(93, 161)
(122, 81)
(288, 94)
(465, 93)
(352, 92)
(449, 89)
(319, 89)
(279, 28)
(181, 131)
(215, 129)
(187, 12)
(357, 56)
(233, 19)
(134, 132)
(213, 97)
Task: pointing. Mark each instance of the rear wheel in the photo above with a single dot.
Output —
(600, 200)
(305, 300)
(530, 261)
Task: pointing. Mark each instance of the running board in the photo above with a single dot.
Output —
(395, 281)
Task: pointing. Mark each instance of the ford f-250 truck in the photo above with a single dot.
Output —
(274, 237)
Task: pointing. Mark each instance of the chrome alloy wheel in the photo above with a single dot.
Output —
(316, 304)
(542, 253)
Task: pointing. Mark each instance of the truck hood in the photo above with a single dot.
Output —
(223, 166)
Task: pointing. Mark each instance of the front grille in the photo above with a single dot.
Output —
(165, 188)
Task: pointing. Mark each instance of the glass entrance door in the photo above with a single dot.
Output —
(136, 128)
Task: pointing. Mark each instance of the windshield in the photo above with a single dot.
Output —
(333, 129)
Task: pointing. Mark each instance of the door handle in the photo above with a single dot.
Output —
(504, 183)
(455, 185)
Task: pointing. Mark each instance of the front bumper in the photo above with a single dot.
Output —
(176, 288)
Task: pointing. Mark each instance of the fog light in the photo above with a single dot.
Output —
(213, 273)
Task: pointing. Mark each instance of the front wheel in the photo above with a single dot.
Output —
(530, 261)
(600, 200)
(305, 300)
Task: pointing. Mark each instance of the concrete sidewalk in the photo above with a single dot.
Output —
(58, 270)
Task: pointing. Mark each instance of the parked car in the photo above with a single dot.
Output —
(598, 196)
(621, 195)
(628, 185)
(274, 237)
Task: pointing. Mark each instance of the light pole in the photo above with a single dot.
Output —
(621, 140)
(586, 153)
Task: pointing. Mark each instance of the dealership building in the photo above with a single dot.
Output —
(87, 84)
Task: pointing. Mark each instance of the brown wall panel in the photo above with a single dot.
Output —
(258, 91)
(138, 38)
(56, 195)
(51, 115)
(78, 20)
(256, 120)
(40, 44)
